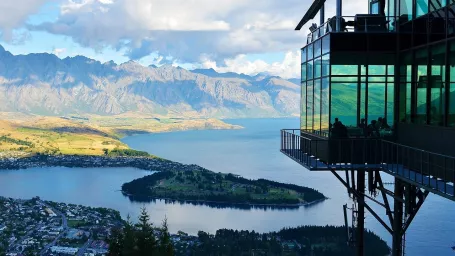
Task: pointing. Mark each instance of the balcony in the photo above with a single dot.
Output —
(434, 172)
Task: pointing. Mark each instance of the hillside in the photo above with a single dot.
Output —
(43, 84)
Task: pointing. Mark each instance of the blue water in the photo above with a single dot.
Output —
(252, 152)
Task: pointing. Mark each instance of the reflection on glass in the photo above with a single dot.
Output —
(325, 90)
(390, 104)
(376, 101)
(344, 103)
(345, 70)
(325, 44)
(310, 51)
(376, 70)
(363, 101)
(303, 55)
(317, 105)
(421, 7)
(436, 85)
(303, 70)
(421, 101)
(325, 65)
(303, 108)
(317, 48)
(309, 106)
(317, 67)
(452, 105)
(309, 70)
(405, 9)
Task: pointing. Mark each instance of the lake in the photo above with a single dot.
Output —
(252, 152)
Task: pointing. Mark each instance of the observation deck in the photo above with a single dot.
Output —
(430, 171)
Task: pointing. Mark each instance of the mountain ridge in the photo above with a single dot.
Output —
(42, 83)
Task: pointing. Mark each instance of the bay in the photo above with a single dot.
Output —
(252, 152)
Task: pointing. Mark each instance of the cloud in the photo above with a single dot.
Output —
(58, 51)
(288, 68)
(14, 13)
(183, 29)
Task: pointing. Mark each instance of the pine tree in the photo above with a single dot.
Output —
(146, 242)
(129, 238)
(115, 241)
(166, 248)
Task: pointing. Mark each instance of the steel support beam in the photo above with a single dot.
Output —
(361, 213)
(397, 236)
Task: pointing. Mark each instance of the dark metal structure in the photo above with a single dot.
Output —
(378, 96)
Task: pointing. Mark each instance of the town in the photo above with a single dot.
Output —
(145, 163)
(37, 227)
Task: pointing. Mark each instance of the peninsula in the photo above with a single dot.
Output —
(206, 186)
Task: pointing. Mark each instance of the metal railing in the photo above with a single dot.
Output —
(363, 24)
(434, 171)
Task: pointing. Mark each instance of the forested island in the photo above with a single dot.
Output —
(210, 187)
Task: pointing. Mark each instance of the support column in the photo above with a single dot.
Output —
(397, 239)
(361, 212)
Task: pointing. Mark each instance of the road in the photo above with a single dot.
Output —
(64, 225)
(83, 248)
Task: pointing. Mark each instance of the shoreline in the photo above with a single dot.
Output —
(228, 203)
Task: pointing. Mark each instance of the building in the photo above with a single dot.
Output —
(378, 96)
(64, 250)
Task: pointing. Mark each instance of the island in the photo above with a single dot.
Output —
(205, 186)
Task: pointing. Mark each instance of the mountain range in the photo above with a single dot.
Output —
(44, 84)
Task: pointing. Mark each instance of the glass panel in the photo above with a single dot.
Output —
(451, 104)
(317, 106)
(325, 64)
(376, 101)
(303, 55)
(405, 9)
(405, 87)
(390, 118)
(436, 4)
(317, 48)
(421, 7)
(309, 105)
(309, 70)
(362, 103)
(391, 14)
(436, 85)
(310, 51)
(345, 70)
(303, 71)
(390, 70)
(303, 107)
(451, 116)
(375, 8)
(376, 70)
(326, 44)
(344, 78)
(421, 60)
(325, 90)
(376, 78)
(344, 103)
(317, 67)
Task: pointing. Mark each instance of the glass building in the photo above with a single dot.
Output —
(397, 70)
(378, 96)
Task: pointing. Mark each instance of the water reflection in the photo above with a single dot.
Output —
(218, 205)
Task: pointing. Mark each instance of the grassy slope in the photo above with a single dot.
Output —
(22, 134)
(54, 136)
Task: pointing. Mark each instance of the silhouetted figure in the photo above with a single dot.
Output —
(363, 126)
(373, 131)
(382, 7)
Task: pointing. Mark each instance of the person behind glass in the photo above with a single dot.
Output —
(363, 126)
(339, 130)
(372, 129)
(382, 7)
(379, 123)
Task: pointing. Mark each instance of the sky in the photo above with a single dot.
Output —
(243, 36)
